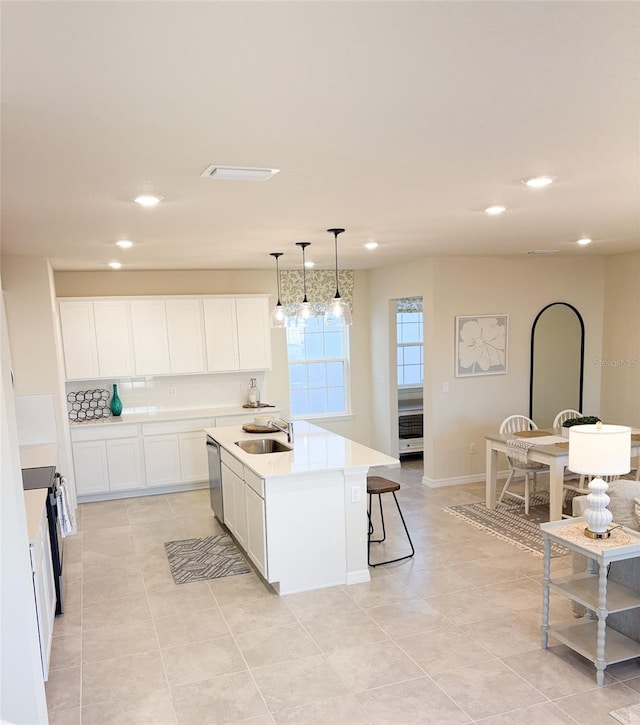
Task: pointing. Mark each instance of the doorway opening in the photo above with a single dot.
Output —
(410, 375)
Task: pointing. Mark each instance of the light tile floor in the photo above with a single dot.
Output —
(448, 637)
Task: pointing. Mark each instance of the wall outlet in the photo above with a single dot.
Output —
(356, 494)
(473, 449)
(172, 390)
(445, 387)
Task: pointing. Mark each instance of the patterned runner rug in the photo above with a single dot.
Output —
(509, 523)
(627, 715)
(195, 560)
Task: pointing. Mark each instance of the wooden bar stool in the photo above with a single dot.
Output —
(377, 486)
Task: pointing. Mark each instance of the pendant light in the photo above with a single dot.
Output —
(338, 311)
(277, 315)
(304, 311)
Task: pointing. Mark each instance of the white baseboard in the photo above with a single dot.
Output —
(459, 480)
(135, 492)
(358, 577)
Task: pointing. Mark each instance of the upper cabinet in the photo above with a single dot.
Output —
(237, 333)
(112, 338)
(96, 338)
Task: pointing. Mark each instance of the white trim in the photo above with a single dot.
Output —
(358, 577)
(459, 480)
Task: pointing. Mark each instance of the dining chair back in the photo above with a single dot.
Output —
(565, 415)
(529, 470)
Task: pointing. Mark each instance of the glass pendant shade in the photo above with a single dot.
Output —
(278, 318)
(338, 311)
(304, 311)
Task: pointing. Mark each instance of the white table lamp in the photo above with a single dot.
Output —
(599, 450)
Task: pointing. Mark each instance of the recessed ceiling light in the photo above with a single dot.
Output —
(537, 182)
(495, 210)
(147, 200)
(371, 245)
(584, 241)
(542, 252)
(124, 244)
(237, 173)
(115, 265)
(309, 264)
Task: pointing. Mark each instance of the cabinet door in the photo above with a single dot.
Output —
(254, 333)
(194, 465)
(124, 463)
(150, 337)
(79, 340)
(90, 465)
(228, 497)
(241, 514)
(256, 545)
(113, 338)
(186, 336)
(162, 459)
(44, 591)
(221, 334)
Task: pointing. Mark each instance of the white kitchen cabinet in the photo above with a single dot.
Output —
(150, 337)
(233, 496)
(221, 334)
(256, 542)
(107, 459)
(194, 465)
(79, 340)
(185, 329)
(162, 459)
(90, 466)
(124, 462)
(113, 338)
(42, 569)
(96, 338)
(254, 333)
(237, 333)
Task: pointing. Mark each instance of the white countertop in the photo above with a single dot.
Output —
(160, 415)
(314, 449)
(37, 456)
(34, 502)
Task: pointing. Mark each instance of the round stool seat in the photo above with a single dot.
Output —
(378, 485)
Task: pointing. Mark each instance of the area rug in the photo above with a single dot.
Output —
(509, 523)
(196, 560)
(627, 715)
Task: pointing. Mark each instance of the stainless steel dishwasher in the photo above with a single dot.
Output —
(215, 478)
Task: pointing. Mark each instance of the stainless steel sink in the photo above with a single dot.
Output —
(263, 445)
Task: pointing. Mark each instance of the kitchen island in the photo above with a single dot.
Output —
(299, 515)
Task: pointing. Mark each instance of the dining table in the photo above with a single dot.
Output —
(548, 447)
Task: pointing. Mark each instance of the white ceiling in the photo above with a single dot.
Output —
(399, 121)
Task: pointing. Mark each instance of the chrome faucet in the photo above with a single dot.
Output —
(286, 428)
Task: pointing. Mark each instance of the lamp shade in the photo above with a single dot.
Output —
(600, 450)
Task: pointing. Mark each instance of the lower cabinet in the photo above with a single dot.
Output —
(244, 511)
(108, 460)
(162, 459)
(43, 589)
(256, 541)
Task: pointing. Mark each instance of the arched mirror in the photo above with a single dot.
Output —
(557, 362)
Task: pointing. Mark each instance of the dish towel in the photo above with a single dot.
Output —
(519, 450)
(65, 512)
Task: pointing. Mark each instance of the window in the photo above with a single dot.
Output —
(409, 336)
(318, 367)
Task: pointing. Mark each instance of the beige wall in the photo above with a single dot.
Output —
(620, 362)
(518, 287)
(94, 284)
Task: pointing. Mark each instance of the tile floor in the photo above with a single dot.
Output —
(448, 637)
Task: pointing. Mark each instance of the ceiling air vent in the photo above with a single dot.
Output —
(542, 252)
(237, 173)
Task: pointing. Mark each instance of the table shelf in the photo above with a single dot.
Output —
(582, 637)
(583, 589)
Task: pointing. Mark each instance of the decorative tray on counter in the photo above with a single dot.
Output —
(253, 428)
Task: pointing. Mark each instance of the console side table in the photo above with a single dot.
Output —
(590, 636)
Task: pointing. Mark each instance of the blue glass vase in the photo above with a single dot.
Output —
(116, 403)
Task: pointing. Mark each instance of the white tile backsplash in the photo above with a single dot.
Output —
(179, 392)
